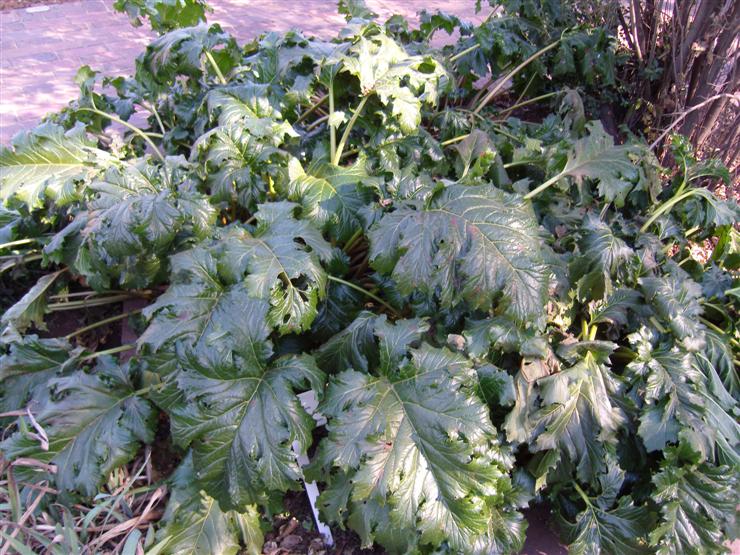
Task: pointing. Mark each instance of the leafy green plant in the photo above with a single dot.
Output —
(163, 15)
(491, 312)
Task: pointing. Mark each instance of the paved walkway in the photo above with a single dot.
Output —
(40, 51)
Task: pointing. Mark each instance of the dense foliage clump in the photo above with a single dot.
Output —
(491, 311)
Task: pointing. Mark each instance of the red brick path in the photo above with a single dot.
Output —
(41, 51)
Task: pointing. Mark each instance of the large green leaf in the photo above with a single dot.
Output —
(706, 210)
(136, 220)
(615, 309)
(697, 504)
(163, 15)
(236, 165)
(595, 157)
(136, 209)
(340, 307)
(280, 269)
(29, 365)
(242, 416)
(10, 220)
(621, 530)
(331, 196)
(31, 308)
(48, 163)
(672, 391)
(502, 334)
(469, 243)
(200, 308)
(415, 437)
(248, 107)
(675, 297)
(194, 524)
(577, 413)
(355, 9)
(716, 361)
(94, 423)
(353, 347)
(182, 52)
(402, 81)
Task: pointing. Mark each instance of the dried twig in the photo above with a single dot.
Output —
(685, 113)
(19, 525)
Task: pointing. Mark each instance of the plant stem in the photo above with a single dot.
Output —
(102, 323)
(502, 82)
(55, 307)
(18, 243)
(18, 260)
(332, 129)
(311, 109)
(139, 393)
(14, 496)
(712, 326)
(462, 53)
(113, 351)
(153, 110)
(129, 126)
(518, 98)
(582, 494)
(352, 240)
(665, 208)
(517, 163)
(529, 101)
(554, 179)
(657, 325)
(364, 292)
(500, 129)
(217, 69)
(316, 122)
(345, 135)
(85, 294)
(454, 140)
(351, 152)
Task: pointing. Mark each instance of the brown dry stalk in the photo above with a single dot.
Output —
(127, 526)
(686, 112)
(19, 525)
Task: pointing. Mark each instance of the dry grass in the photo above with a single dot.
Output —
(121, 518)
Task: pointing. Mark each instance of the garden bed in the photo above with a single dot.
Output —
(496, 299)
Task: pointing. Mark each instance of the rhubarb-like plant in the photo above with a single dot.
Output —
(492, 313)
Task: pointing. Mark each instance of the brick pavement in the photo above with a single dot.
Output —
(41, 51)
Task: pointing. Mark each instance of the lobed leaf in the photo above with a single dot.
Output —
(415, 438)
(331, 196)
(29, 365)
(94, 422)
(696, 503)
(242, 417)
(469, 243)
(194, 524)
(48, 164)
